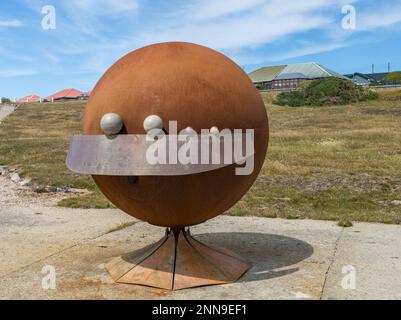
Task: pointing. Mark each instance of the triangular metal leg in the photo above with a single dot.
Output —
(177, 261)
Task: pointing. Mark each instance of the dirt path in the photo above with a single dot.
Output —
(5, 111)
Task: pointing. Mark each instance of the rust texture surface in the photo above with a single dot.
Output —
(197, 87)
(177, 261)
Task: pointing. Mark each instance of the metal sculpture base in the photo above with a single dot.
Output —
(177, 261)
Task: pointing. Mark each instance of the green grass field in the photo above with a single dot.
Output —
(36, 138)
(332, 163)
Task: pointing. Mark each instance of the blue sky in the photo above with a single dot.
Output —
(91, 35)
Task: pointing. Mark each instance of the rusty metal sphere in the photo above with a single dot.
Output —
(197, 87)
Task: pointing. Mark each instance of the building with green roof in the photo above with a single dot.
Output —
(266, 74)
(288, 77)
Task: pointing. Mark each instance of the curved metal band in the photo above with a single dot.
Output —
(135, 155)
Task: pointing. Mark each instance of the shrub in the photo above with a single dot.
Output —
(292, 99)
(327, 91)
(368, 95)
(393, 77)
(345, 223)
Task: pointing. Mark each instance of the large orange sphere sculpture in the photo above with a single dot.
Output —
(199, 88)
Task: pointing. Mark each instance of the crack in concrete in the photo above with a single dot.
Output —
(332, 260)
(65, 249)
(41, 259)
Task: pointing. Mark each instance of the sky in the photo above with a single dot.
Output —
(46, 46)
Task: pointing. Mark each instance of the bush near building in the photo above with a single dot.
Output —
(393, 77)
(327, 91)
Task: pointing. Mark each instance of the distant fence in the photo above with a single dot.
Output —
(388, 85)
(279, 90)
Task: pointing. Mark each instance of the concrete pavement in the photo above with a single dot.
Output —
(292, 259)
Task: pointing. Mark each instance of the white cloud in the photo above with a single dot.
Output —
(378, 18)
(242, 29)
(8, 73)
(243, 24)
(104, 6)
(260, 56)
(86, 16)
(207, 9)
(13, 23)
(307, 50)
(10, 55)
(235, 27)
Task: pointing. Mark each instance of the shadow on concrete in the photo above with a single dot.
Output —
(266, 252)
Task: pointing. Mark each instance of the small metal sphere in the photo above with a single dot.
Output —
(188, 131)
(214, 130)
(152, 122)
(111, 123)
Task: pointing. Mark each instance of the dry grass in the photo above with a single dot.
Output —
(337, 163)
(120, 226)
(390, 94)
(36, 138)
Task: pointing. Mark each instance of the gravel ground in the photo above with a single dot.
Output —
(11, 195)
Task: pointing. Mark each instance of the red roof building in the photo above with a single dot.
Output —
(66, 94)
(29, 99)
